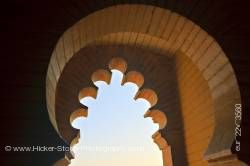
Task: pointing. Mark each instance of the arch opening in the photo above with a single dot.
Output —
(180, 35)
(116, 131)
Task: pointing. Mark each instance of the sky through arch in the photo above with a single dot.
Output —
(115, 131)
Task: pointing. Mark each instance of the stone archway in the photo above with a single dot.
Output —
(146, 94)
(166, 34)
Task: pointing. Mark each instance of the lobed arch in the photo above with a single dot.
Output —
(146, 94)
(163, 32)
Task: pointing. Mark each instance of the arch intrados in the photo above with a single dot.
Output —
(207, 56)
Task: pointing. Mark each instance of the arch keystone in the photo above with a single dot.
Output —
(118, 64)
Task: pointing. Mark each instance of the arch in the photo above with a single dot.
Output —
(147, 94)
(167, 33)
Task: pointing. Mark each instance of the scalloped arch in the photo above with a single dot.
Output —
(173, 35)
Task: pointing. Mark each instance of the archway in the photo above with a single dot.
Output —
(173, 37)
(122, 119)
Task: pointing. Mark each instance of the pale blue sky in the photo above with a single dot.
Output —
(115, 132)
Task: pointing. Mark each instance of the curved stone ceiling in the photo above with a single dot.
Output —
(161, 32)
